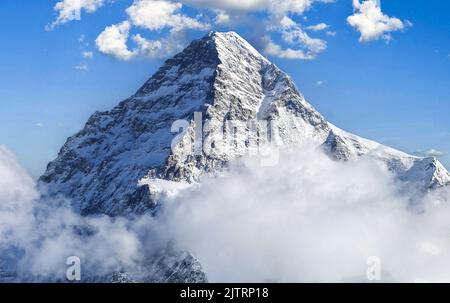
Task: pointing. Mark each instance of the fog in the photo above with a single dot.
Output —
(312, 219)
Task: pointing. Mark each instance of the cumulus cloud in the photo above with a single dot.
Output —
(113, 41)
(318, 27)
(171, 44)
(276, 7)
(298, 36)
(372, 23)
(284, 7)
(274, 49)
(160, 14)
(222, 18)
(153, 15)
(157, 15)
(306, 47)
(233, 5)
(148, 47)
(70, 10)
(299, 45)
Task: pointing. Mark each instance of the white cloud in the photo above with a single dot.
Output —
(277, 8)
(160, 14)
(70, 10)
(321, 82)
(284, 7)
(273, 6)
(297, 36)
(37, 236)
(222, 18)
(307, 48)
(273, 49)
(233, 5)
(87, 55)
(320, 219)
(149, 48)
(284, 23)
(156, 15)
(153, 15)
(81, 67)
(434, 153)
(430, 153)
(40, 124)
(372, 23)
(318, 27)
(160, 48)
(299, 44)
(17, 191)
(113, 41)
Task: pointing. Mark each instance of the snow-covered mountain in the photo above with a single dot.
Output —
(426, 173)
(225, 78)
(104, 168)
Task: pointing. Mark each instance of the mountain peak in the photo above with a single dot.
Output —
(224, 78)
(230, 37)
(220, 76)
(232, 40)
(204, 55)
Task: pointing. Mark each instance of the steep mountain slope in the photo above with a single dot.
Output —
(224, 78)
(424, 173)
(221, 76)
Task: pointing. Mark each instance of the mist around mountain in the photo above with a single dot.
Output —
(308, 220)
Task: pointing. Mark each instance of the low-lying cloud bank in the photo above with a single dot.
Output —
(307, 219)
(37, 236)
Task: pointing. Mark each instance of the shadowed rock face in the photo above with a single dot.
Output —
(224, 78)
(99, 167)
(168, 266)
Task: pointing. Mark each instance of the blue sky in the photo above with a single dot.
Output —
(391, 85)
